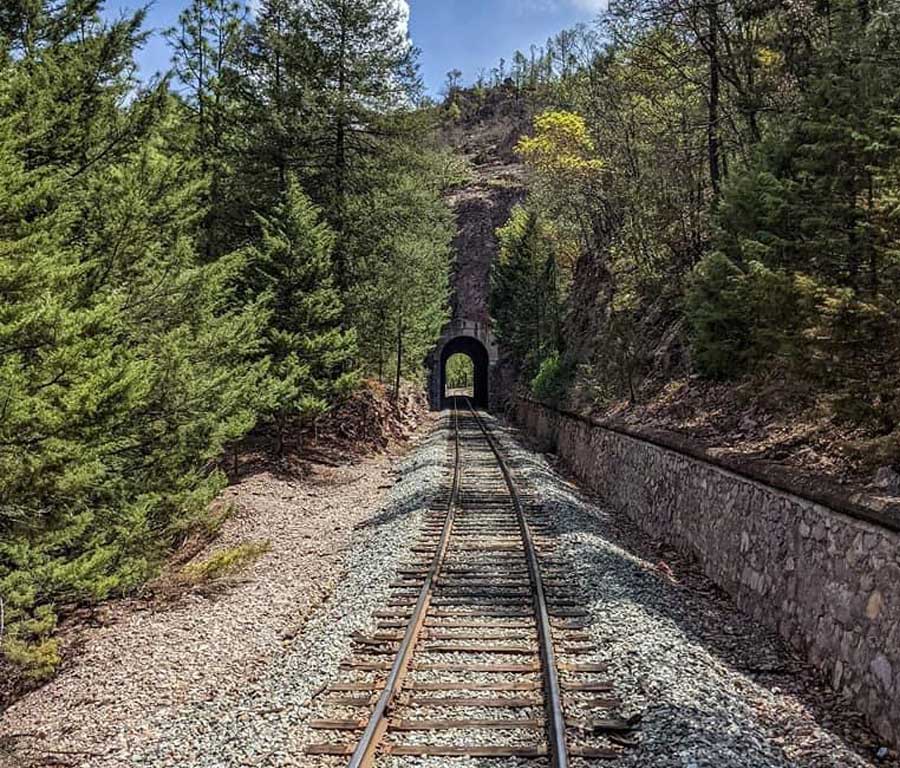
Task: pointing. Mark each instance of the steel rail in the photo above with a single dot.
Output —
(556, 723)
(366, 749)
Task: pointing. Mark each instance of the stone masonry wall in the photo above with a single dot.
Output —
(827, 582)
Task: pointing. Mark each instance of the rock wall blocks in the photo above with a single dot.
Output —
(827, 582)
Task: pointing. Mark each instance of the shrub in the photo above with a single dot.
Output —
(744, 319)
(28, 645)
(854, 350)
(739, 317)
(552, 380)
(225, 562)
(719, 326)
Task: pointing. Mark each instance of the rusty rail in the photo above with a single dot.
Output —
(475, 590)
(556, 722)
(371, 738)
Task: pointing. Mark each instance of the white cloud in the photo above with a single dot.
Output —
(403, 7)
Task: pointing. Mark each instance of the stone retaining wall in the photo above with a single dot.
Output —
(828, 582)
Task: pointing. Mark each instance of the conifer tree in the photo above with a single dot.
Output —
(206, 46)
(813, 199)
(402, 235)
(126, 366)
(278, 110)
(367, 71)
(310, 352)
(525, 300)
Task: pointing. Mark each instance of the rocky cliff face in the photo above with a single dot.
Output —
(480, 209)
(485, 134)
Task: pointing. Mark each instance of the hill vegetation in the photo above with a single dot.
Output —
(713, 198)
(713, 201)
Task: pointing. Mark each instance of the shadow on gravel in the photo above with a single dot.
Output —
(716, 688)
(409, 483)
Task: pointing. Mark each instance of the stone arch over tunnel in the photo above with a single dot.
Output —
(477, 341)
(481, 362)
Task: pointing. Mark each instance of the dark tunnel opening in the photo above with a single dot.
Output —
(475, 350)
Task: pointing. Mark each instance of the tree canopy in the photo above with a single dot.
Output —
(234, 246)
(717, 186)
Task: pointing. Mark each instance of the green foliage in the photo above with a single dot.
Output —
(324, 96)
(460, 372)
(400, 247)
(126, 363)
(561, 150)
(525, 291)
(39, 658)
(206, 47)
(711, 185)
(166, 281)
(741, 318)
(717, 314)
(551, 381)
(225, 562)
(366, 78)
(453, 112)
(310, 353)
(809, 221)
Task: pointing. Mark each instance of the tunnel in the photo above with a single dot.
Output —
(475, 350)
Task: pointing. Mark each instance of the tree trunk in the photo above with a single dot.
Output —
(874, 285)
(279, 97)
(399, 357)
(279, 436)
(715, 174)
(202, 132)
(752, 110)
(340, 158)
(865, 12)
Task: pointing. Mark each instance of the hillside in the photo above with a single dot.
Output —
(482, 126)
(731, 280)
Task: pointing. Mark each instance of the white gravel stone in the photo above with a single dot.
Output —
(234, 681)
(218, 683)
(677, 652)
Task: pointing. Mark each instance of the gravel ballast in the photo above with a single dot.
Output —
(233, 679)
(227, 680)
(714, 688)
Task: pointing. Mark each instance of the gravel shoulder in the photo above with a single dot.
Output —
(232, 678)
(714, 688)
(225, 676)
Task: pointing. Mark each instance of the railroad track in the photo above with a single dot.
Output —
(481, 651)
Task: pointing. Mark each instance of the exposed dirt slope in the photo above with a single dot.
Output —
(768, 420)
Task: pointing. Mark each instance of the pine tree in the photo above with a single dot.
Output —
(367, 71)
(126, 365)
(401, 234)
(525, 291)
(206, 47)
(814, 198)
(277, 107)
(310, 352)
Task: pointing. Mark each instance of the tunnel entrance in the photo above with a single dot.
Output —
(480, 362)
(460, 376)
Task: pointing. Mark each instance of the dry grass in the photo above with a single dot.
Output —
(225, 562)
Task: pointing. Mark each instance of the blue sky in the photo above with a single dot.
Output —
(466, 34)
